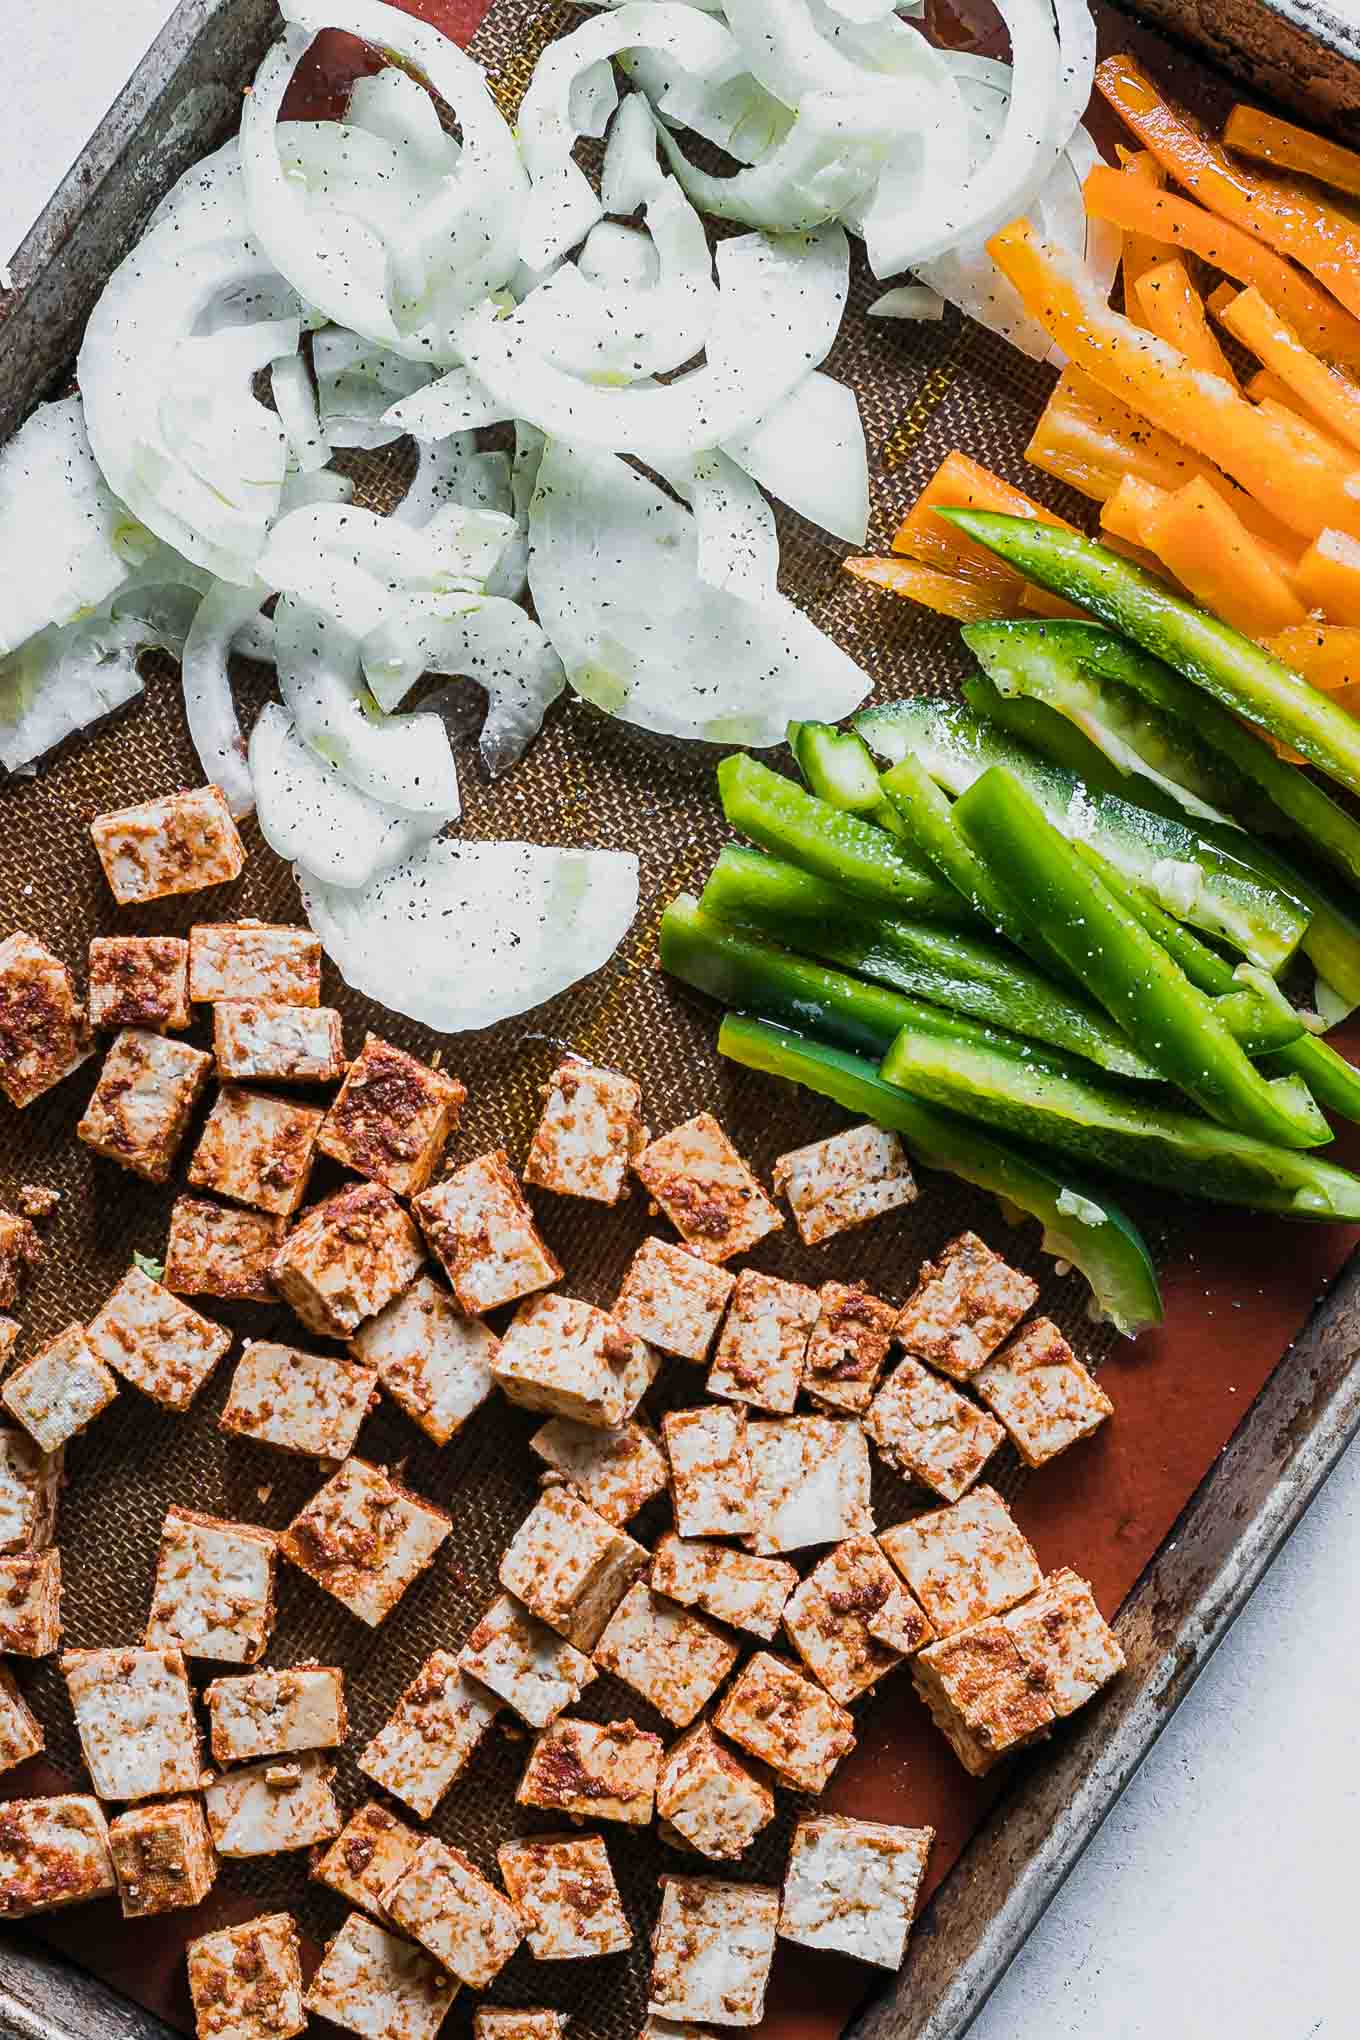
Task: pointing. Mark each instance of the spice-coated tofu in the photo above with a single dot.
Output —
(844, 1181)
(672, 2029)
(38, 1200)
(21, 1734)
(140, 1109)
(569, 1359)
(428, 1739)
(695, 1175)
(270, 1042)
(1060, 1632)
(256, 1149)
(711, 1951)
(365, 1539)
(253, 960)
(444, 1902)
(52, 1852)
(481, 1228)
(374, 1984)
(964, 1562)
(616, 1471)
(852, 1621)
(44, 1034)
(852, 1886)
(675, 1659)
(9, 1339)
(213, 1595)
(564, 1891)
(848, 1347)
(600, 1771)
(139, 981)
(963, 1306)
(157, 1343)
(346, 1258)
(267, 1809)
(782, 1719)
(524, 1663)
(30, 1481)
(368, 1855)
(707, 1799)
(589, 1134)
(246, 1981)
(267, 1714)
(20, 1250)
(392, 1117)
(216, 1251)
(983, 1695)
(493, 2022)
(710, 1464)
(733, 1586)
(570, 1567)
(30, 1602)
(930, 1432)
(1042, 1394)
(809, 1483)
(673, 1298)
(761, 1351)
(163, 1857)
(434, 1362)
(135, 1718)
(311, 1403)
(59, 1390)
(180, 843)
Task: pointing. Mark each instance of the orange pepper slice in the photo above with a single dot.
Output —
(946, 594)
(1286, 147)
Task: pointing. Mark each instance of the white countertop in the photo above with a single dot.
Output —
(1219, 1897)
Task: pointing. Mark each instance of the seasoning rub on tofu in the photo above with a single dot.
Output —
(215, 1251)
(435, 1363)
(59, 1390)
(30, 1481)
(707, 1799)
(673, 1298)
(443, 1901)
(844, 1181)
(20, 1250)
(706, 1190)
(270, 1808)
(711, 1951)
(256, 1149)
(569, 1359)
(428, 1739)
(734, 1587)
(30, 1603)
(21, 1734)
(53, 1852)
(365, 1539)
(782, 1719)
(675, 1659)
(163, 1857)
(139, 981)
(267, 1714)
(570, 1567)
(346, 1258)
(589, 1133)
(180, 843)
(371, 1983)
(710, 1461)
(140, 1109)
(135, 1719)
(44, 1034)
(617, 1471)
(1042, 1394)
(852, 1886)
(246, 1981)
(367, 1856)
(600, 1771)
(564, 1891)
(848, 1347)
(963, 1306)
(930, 1432)
(392, 1117)
(810, 1483)
(964, 1562)
(307, 1403)
(524, 1663)
(763, 1343)
(214, 1590)
(852, 1621)
(157, 1343)
(482, 1230)
(270, 1042)
(253, 960)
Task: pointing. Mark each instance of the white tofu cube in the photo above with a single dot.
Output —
(569, 1359)
(965, 1562)
(930, 1432)
(589, 1133)
(844, 1181)
(707, 1192)
(593, 1770)
(140, 1109)
(435, 1363)
(267, 1714)
(163, 1857)
(157, 1343)
(852, 1886)
(848, 1348)
(618, 1472)
(1060, 1632)
(810, 1483)
(214, 1591)
(564, 1891)
(443, 1901)
(963, 1306)
(21, 1735)
(672, 1657)
(492, 2022)
(60, 1390)
(734, 1587)
(711, 1951)
(483, 1232)
(764, 1341)
(525, 1663)
(30, 1602)
(710, 1461)
(673, 1298)
(270, 1808)
(180, 843)
(365, 1540)
(139, 981)
(371, 1983)
(44, 1034)
(1042, 1394)
(53, 1852)
(570, 1567)
(428, 1739)
(30, 1481)
(983, 1695)
(215, 1251)
(841, 1617)
(368, 1855)
(265, 1041)
(246, 1981)
(782, 1719)
(309, 1403)
(346, 1258)
(253, 960)
(392, 1118)
(256, 1149)
(135, 1719)
(707, 1800)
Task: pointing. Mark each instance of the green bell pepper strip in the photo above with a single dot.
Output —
(1079, 1224)
(926, 814)
(838, 768)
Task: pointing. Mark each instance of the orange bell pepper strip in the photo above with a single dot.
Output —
(1174, 310)
(1139, 252)
(1130, 510)
(1286, 147)
(1324, 393)
(1327, 654)
(1211, 552)
(1328, 577)
(1265, 388)
(961, 483)
(946, 594)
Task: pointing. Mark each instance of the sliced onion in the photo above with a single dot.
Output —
(737, 544)
(295, 401)
(736, 113)
(630, 173)
(310, 815)
(62, 680)
(908, 301)
(360, 568)
(492, 642)
(392, 105)
(613, 254)
(830, 160)
(810, 452)
(510, 578)
(456, 402)
(357, 384)
(225, 610)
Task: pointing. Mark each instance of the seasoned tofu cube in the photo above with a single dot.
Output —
(135, 1719)
(564, 1891)
(761, 1351)
(38, 1200)
(44, 1034)
(782, 1719)
(844, 1181)
(710, 1464)
(21, 1733)
(428, 1739)
(9, 1339)
(52, 1852)
(30, 1481)
(181, 843)
(253, 960)
(60, 1390)
(271, 1042)
(493, 2022)
(589, 1134)
(841, 1618)
(707, 1799)
(1060, 1633)
(392, 1117)
(373, 1984)
(983, 1695)
(672, 2029)
(524, 1663)
(930, 1432)
(673, 1298)
(267, 1714)
(570, 1567)
(267, 1809)
(30, 1602)
(246, 1981)
(810, 1483)
(617, 1472)
(852, 1886)
(965, 1562)
(600, 1771)
(213, 1595)
(365, 1539)
(311, 1403)
(711, 1951)
(140, 1109)
(20, 1250)
(569, 1359)
(963, 1306)
(163, 1857)
(848, 1348)
(139, 981)
(672, 1657)
(346, 1258)
(256, 1149)
(1042, 1394)
(695, 1175)
(368, 1855)
(214, 1251)
(733, 1586)
(157, 1343)
(444, 1902)
(481, 1228)
(434, 1362)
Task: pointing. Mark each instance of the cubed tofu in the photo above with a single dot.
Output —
(1060, 1633)
(848, 1347)
(930, 1432)
(428, 1739)
(270, 1808)
(53, 1852)
(30, 1481)
(493, 2022)
(267, 1714)
(809, 1483)
(963, 1306)
(44, 1034)
(674, 1299)
(764, 1342)
(524, 1663)
(38, 1200)
(618, 1472)
(181, 843)
(21, 1735)
(570, 1567)
(140, 1109)
(706, 1798)
(30, 1602)
(215, 1251)
(710, 1462)
(852, 1886)
(157, 1343)
(139, 981)
(695, 1175)
(434, 1362)
(346, 1258)
(852, 1621)
(569, 1359)
(564, 1891)
(256, 1149)
(674, 1658)
(374, 1984)
(965, 1562)
(589, 1134)
(213, 1595)
(246, 1981)
(163, 1857)
(365, 1539)
(310, 1403)
(9, 1339)
(443, 1901)
(733, 1586)
(711, 1951)
(368, 1855)
(481, 1228)
(844, 1181)
(599, 1771)
(59, 1390)
(782, 1719)
(266, 1041)
(253, 960)
(20, 1250)
(1042, 1394)
(392, 1117)
(135, 1719)
(982, 1694)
